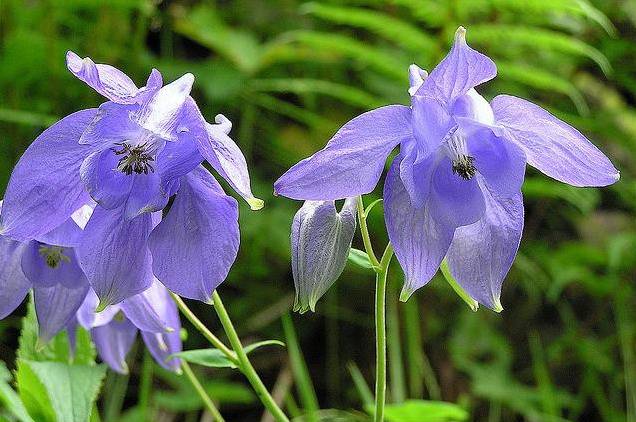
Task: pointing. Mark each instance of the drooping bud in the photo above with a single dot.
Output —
(320, 241)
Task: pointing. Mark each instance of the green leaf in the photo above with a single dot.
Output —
(215, 358)
(422, 411)
(9, 399)
(360, 258)
(472, 303)
(54, 391)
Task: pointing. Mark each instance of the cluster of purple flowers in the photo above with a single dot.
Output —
(81, 222)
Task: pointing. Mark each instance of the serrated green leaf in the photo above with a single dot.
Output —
(33, 394)
(59, 392)
(360, 258)
(215, 358)
(422, 411)
(9, 399)
(472, 303)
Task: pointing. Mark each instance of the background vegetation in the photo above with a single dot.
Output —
(288, 74)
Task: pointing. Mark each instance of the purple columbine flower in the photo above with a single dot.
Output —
(455, 188)
(50, 267)
(130, 156)
(320, 243)
(113, 330)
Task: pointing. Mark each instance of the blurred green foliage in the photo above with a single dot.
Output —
(288, 74)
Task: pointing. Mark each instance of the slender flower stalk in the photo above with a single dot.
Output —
(201, 391)
(365, 233)
(380, 333)
(214, 340)
(381, 269)
(244, 363)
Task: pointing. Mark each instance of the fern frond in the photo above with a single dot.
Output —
(537, 39)
(393, 65)
(393, 29)
(540, 79)
(347, 94)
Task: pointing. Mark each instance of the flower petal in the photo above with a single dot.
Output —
(162, 345)
(110, 82)
(320, 243)
(453, 200)
(148, 310)
(432, 124)
(501, 163)
(68, 235)
(66, 271)
(226, 158)
(160, 115)
(417, 75)
(88, 318)
(551, 145)
(15, 285)
(482, 253)
(195, 245)
(113, 342)
(114, 255)
(352, 161)
(107, 186)
(111, 125)
(45, 187)
(416, 175)
(462, 69)
(146, 195)
(420, 241)
(55, 307)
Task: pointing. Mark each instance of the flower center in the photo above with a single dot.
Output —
(53, 255)
(135, 159)
(463, 163)
(464, 167)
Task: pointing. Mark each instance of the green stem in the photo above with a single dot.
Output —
(244, 363)
(380, 333)
(366, 239)
(204, 330)
(201, 391)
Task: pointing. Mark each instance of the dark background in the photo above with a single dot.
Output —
(288, 74)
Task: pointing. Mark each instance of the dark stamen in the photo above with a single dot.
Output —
(135, 159)
(464, 166)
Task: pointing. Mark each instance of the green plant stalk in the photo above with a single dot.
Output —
(364, 230)
(201, 391)
(244, 363)
(204, 330)
(380, 334)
